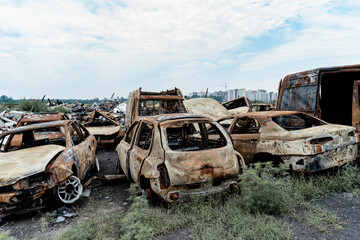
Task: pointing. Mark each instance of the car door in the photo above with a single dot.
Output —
(84, 147)
(124, 147)
(245, 132)
(141, 148)
(356, 105)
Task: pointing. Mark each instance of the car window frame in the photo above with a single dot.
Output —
(137, 136)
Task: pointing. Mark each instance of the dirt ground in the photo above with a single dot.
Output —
(28, 226)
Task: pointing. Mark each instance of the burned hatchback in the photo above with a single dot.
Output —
(176, 155)
(40, 161)
(301, 141)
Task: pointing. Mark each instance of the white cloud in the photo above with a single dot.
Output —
(45, 43)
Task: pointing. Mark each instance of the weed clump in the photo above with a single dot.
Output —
(34, 105)
(265, 189)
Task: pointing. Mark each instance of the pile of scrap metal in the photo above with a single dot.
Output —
(142, 103)
(6, 123)
(104, 126)
(41, 161)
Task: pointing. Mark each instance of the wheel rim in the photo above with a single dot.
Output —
(71, 190)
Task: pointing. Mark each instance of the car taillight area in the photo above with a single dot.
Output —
(321, 140)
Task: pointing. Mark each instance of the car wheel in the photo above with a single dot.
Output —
(71, 190)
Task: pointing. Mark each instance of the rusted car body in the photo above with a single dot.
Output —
(142, 104)
(40, 118)
(104, 127)
(301, 141)
(50, 159)
(206, 106)
(258, 107)
(175, 155)
(331, 94)
(238, 105)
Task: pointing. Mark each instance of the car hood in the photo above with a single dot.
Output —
(207, 107)
(103, 130)
(26, 162)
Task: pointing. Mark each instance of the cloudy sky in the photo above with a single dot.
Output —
(87, 49)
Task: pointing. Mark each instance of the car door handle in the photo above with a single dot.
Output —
(253, 140)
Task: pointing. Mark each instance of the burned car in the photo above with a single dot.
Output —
(175, 155)
(104, 127)
(40, 118)
(141, 103)
(42, 160)
(239, 105)
(299, 140)
(258, 107)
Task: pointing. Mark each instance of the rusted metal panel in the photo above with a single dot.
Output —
(26, 162)
(141, 104)
(106, 131)
(36, 118)
(206, 106)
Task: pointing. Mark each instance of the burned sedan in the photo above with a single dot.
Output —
(42, 160)
(175, 155)
(104, 126)
(301, 141)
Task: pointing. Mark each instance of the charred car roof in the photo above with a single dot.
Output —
(43, 118)
(173, 116)
(38, 126)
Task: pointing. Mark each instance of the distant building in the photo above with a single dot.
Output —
(252, 95)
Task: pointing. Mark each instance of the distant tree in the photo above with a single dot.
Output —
(5, 99)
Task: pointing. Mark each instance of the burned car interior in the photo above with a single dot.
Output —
(296, 122)
(340, 84)
(160, 106)
(41, 136)
(187, 138)
(246, 125)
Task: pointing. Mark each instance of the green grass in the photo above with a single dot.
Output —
(267, 195)
(5, 235)
(34, 105)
